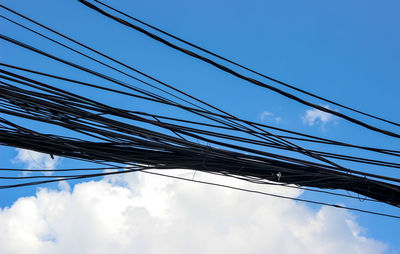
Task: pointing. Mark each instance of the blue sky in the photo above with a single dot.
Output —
(347, 51)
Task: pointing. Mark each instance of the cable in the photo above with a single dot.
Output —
(121, 136)
(230, 71)
(311, 138)
(75, 177)
(275, 195)
(269, 136)
(244, 67)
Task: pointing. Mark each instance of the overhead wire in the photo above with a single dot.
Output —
(311, 138)
(177, 128)
(99, 116)
(236, 74)
(271, 136)
(127, 170)
(242, 66)
(125, 142)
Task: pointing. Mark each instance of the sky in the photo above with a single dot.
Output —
(343, 50)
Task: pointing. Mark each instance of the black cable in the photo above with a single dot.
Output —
(244, 67)
(269, 136)
(234, 73)
(274, 195)
(310, 137)
(126, 142)
(76, 177)
(243, 148)
(301, 150)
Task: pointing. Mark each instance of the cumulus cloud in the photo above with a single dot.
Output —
(140, 213)
(268, 116)
(31, 159)
(315, 116)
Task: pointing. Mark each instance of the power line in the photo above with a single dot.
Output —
(236, 74)
(242, 66)
(121, 136)
(308, 138)
(144, 170)
(118, 154)
(275, 195)
(269, 136)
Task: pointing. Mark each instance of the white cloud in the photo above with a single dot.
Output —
(35, 160)
(268, 116)
(315, 116)
(138, 213)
